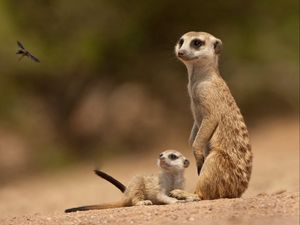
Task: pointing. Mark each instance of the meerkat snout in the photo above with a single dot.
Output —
(181, 53)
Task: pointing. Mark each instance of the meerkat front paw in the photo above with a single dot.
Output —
(178, 194)
(184, 195)
(194, 198)
(144, 202)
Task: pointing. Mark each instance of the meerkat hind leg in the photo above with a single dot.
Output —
(138, 198)
(217, 181)
(135, 192)
(184, 195)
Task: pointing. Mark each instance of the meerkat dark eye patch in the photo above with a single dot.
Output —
(180, 42)
(173, 156)
(197, 43)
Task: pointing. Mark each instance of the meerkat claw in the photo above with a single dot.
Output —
(199, 159)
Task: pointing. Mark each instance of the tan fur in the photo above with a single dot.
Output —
(152, 189)
(219, 136)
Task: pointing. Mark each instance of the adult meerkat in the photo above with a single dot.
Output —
(151, 189)
(219, 136)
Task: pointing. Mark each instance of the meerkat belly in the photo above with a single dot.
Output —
(231, 136)
(235, 148)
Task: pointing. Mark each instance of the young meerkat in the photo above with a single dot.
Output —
(151, 189)
(219, 136)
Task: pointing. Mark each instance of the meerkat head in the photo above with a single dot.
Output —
(172, 161)
(198, 48)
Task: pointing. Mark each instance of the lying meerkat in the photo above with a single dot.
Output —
(151, 189)
(219, 136)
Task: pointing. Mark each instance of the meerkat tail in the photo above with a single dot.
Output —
(96, 207)
(110, 179)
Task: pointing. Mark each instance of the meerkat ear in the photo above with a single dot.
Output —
(218, 46)
(186, 163)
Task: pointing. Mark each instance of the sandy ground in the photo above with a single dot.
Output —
(274, 209)
(272, 197)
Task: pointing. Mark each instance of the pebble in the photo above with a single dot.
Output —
(191, 219)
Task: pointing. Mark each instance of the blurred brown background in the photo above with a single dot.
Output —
(109, 91)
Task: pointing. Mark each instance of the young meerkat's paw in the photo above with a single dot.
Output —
(178, 194)
(144, 202)
(184, 195)
(193, 198)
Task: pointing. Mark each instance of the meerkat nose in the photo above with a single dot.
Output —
(181, 53)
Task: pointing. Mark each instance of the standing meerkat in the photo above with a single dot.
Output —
(219, 136)
(151, 189)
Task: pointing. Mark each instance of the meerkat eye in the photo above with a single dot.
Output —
(197, 43)
(180, 42)
(173, 157)
(161, 155)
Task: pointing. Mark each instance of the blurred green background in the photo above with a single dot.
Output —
(109, 83)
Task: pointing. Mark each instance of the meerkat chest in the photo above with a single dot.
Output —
(192, 91)
(200, 90)
(171, 182)
(199, 93)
